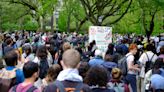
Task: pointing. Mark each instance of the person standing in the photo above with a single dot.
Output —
(30, 70)
(146, 60)
(69, 78)
(132, 67)
(98, 59)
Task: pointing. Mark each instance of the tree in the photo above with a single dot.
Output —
(79, 15)
(10, 16)
(149, 9)
(72, 14)
(97, 11)
(30, 25)
(38, 9)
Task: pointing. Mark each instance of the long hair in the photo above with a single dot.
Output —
(42, 52)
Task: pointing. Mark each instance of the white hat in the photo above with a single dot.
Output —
(98, 53)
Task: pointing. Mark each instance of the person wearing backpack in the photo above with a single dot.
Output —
(116, 83)
(148, 80)
(69, 79)
(132, 68)
(42, 60)
(10, 75)
(146, 60)
(148, 57)
(109, 64)
(157, 79)
(30, 70)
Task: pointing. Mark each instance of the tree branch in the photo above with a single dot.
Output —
(107, 14)
(122, 14)
(88, 10)
(152, 22)
(28, 12)
(24, 3)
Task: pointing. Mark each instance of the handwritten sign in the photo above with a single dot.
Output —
(102, 36)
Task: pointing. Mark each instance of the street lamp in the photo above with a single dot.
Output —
(56, 18)
(56, 14)
(100, 18)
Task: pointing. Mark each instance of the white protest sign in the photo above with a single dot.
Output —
(102, 35)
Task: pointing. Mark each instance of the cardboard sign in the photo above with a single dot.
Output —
(102, 36)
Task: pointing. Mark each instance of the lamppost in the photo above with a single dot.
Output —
(56, 14)
(100, 19)
(56, 18)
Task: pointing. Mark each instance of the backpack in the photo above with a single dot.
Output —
(61, 87)
(149, 63)
(31, 89)
(117, 87)
(7, 79)
(122, 65)
(43, 68)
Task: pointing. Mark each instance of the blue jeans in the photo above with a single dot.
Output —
(131, 79)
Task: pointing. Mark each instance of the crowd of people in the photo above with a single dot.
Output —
(66, 62)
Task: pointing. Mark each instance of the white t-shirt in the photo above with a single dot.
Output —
(130, 60)
(144, 58)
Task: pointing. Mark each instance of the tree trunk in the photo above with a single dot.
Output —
(68, 22)
(151, 29)
(77, 26)
(44, 23)
(41, 23)
(148, 33)
(52, 23)
(82, 22)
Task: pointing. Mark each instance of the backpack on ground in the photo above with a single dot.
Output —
(7, 79)
(122, 65)
(61, 87)
(117, 87)
(31, 89)
(149, 63)
(43, 68)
